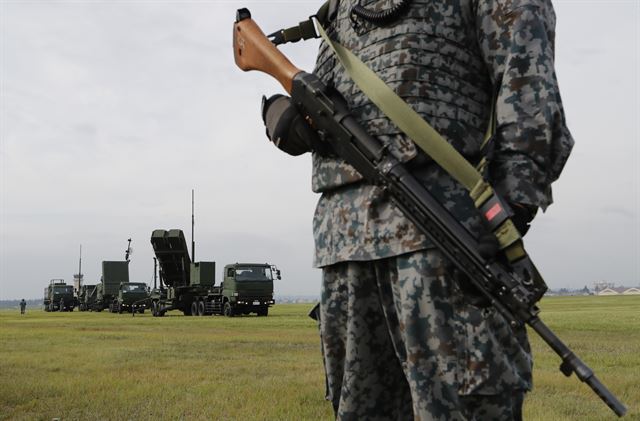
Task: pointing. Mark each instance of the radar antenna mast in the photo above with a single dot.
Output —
(193, 243)
(128, 252)
(80, 269)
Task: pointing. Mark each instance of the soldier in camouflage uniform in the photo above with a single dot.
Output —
(402, 337)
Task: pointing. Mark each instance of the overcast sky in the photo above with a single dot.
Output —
(112, 111)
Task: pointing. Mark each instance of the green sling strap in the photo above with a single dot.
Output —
(428, 139)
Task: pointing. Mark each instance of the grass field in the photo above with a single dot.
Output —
(101, 366)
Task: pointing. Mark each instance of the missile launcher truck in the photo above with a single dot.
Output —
(190, 286)
(58, 296)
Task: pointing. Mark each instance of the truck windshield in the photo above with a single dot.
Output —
(253, 273)
(133, 288)
(63, 289)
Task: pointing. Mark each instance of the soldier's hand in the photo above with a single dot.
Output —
(287, 128)
(523, 215)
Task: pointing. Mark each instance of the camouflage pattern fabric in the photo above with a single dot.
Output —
(532, 141)
(401, 341)
(447, 59)
(400, 338)
(358, 223)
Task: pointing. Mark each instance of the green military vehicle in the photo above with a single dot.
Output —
(132, 296)
(190, 286)
(58, 296)
(86, 297)
(182, 283)
(247, 288)
(106, 292)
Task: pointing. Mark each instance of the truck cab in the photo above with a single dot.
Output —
(132, 296)
(248, 288)
(58, 296)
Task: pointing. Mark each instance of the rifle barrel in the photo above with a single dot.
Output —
(572, 364)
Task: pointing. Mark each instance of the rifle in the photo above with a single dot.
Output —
(513, 288)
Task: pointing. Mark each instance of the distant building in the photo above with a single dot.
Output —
(608, 291)
(603, 285)
(619, 291)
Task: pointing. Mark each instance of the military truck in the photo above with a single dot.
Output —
(86, 297)
(190, 286)
(106, 292)
(58, 296)
(247, 288)
(132, 296)
(182, 283)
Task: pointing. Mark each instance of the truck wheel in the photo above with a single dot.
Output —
(263, 312)
(194, 308)
(119, 308)
(228, 310)
(201, 308)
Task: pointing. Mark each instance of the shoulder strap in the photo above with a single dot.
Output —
(432, 143)
(410, 122)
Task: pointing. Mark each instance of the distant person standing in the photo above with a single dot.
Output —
(23, 306)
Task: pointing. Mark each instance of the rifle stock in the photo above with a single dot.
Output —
(252, 50)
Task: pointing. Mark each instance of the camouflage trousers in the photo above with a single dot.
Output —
(401, 342)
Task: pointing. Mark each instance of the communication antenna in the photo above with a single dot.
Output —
(155, 273)
(80, 269)
(193, 221)
(129, 251)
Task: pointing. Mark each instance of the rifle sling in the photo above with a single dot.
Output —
(427, 138)
(306, 29)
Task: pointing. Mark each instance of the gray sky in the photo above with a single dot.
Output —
(112, 111)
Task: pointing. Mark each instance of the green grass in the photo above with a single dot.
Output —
(88, 366)
(605, 333)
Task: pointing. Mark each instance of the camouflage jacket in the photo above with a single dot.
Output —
(448, 59)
